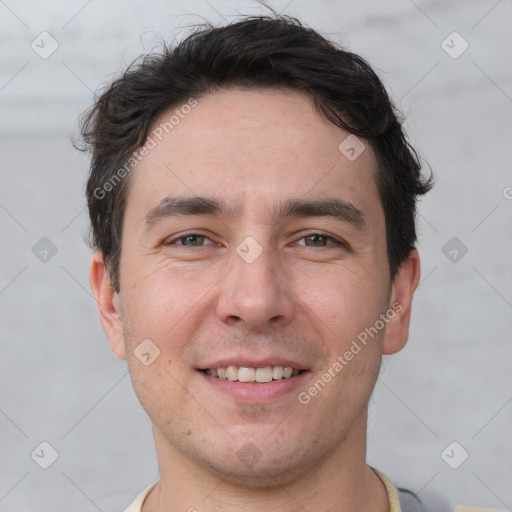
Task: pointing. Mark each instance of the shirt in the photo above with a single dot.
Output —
(394, 503)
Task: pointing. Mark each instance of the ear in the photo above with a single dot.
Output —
(403, 288)
(108, 305)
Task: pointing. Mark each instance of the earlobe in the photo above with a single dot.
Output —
(107, 300)
(404, 286)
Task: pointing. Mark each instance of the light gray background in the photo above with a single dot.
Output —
(59, 381)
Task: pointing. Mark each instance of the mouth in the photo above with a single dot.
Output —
(253, 375)
(256, 384)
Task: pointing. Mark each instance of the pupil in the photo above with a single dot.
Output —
(315, 237)
(192, 239)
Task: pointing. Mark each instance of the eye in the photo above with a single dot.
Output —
(312, 239)
(189, 240)
(320, 240)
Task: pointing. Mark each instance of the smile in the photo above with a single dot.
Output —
(241, 384)
(253, 375)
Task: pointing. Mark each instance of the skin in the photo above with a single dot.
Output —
(254, 148)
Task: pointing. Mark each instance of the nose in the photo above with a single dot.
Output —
(256, 296)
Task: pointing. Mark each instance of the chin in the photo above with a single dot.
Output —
(261, 476)
(256, 469)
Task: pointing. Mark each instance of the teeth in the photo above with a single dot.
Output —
(244, 374)
(264, 374)
(277, 372)
(232, 373)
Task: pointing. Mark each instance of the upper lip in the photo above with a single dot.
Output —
(254, 363)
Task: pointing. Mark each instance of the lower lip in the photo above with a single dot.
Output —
(256, 392)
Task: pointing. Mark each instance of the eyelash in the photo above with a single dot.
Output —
(308, 235)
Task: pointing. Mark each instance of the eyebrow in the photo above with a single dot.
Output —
(189, 205)
(334, 207)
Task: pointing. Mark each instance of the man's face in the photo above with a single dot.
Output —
(253, 287)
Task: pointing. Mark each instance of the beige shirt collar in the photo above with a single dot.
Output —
(394, 505)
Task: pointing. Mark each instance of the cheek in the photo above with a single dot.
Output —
(160, 388)
(166, 306)
(161, 300)
(344, 299)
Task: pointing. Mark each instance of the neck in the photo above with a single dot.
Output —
(343, 479)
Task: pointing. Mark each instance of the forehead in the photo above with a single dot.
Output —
(253, 147)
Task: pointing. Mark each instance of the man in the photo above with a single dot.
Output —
(252, 199)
